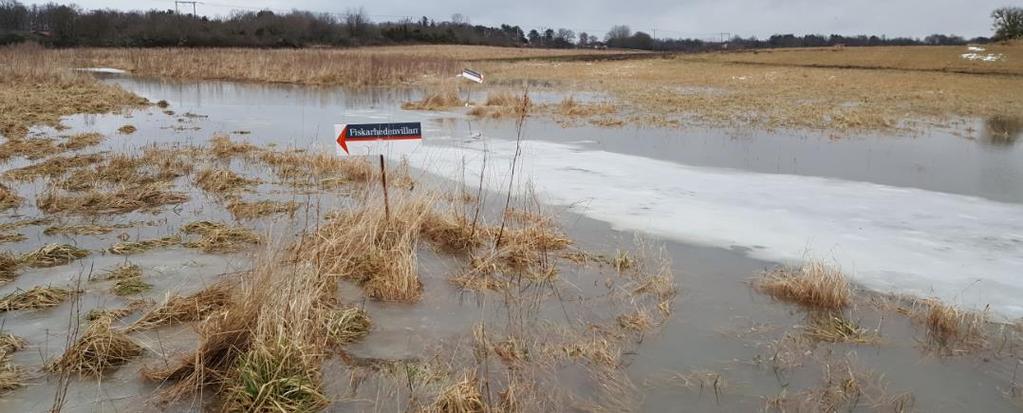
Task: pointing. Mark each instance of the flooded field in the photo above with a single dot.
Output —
(651, 308)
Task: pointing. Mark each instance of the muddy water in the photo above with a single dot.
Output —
(611, 183)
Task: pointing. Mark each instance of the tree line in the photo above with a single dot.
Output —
(60, 25)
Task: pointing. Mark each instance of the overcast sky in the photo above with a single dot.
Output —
(669, 18)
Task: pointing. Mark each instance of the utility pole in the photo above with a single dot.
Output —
(193, 3)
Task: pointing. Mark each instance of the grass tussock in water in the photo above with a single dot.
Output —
(439, 99)
(305, 169)
(123, 200)
(222, 182)
(256, 209)
(11, 376)
(8, 266)
(127, 129)
(501, 104)
(376, 251)
(453, 232)
(347, 325)
(99, 349)
(52, 255)
(35, 298)
(81, 141)
(182, 309)
(11, 237)
(30, 148)
(814, 285)
(53, 167)
(78, 229)
(223, 147)
(130, 286)
(9, 198)
(833, 327)
(124, 271)
(950, 329)
(138, 247)
(463, 396)
(274, 378)
(216, 237)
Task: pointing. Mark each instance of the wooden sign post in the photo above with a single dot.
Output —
(378, 139)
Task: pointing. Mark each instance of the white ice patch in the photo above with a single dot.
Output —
(961, 249)
(990, 57)
(109, 70)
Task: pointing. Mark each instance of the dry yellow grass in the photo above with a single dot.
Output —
(216, 237)
(9, 198)
(137, 247)
(222, 182)
(441, 98)
(81, 141)
(923, 58)
(36, 89)
(255, 209)
(52, 255)
(708, 90)
(127, 199)
(99, 349)
(34, 298)
(951, 330)
(179, 309)
(814, 284)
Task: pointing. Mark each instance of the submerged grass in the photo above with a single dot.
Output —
(78, 229)
(814, 285)
(347, 325)
(180, 309)
(82, 141)
(34, 298)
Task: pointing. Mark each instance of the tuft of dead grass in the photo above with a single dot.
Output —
(79, 229)
(256, 209)
(454, 232)
(53, 167)
(34, 298)
(127, 199)
(9, 198)
(127, 129)
(124, 271)
(222, 182)
(347, 325)
(833, 327)
(222, 147)
(814, 285)
(274, 378)
(180, 309)
(81, 141)
(323, 170)
(950, 329)
(8, 265)
(52, 255)
(137, 247)
(216, 237)
(130, 286)
(463, 396)
(438, 99)
(99, 349)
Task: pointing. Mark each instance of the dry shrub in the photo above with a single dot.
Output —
(9, 198)
(439, 99)
(461, 397)
(123, 200)
(52, 255)
(255, 209)
(81, 141)
(99, 349)
(37, 297)
(222, 181)
(127, 129)
(222, 147)
(346, 325)
(815, 285)
(181, 309)
(217, 237)
(136, 247)
(378, 253)
(82, 229)
(951, 329)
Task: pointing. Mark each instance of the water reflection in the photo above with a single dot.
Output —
(1003, 131)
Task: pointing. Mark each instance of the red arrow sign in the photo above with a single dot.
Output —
(342, 137)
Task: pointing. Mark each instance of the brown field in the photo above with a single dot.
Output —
(923, 58)
(711, 91)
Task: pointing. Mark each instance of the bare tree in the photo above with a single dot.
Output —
(618, 33)
(1008, 23)
(356, 21)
